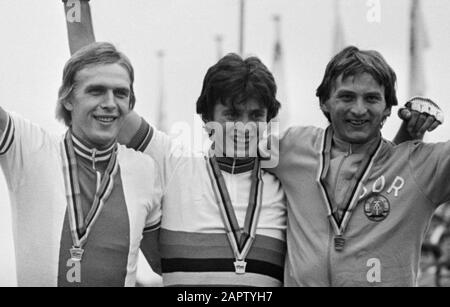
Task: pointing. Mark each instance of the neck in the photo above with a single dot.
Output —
(94, 154)
(351, 148)
(236, 165)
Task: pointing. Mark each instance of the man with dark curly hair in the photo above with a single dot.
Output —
(224, 218)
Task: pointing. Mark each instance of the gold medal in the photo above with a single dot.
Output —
(240, 266)
(76, 254)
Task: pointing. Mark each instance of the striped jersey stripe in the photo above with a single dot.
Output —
(207, 256)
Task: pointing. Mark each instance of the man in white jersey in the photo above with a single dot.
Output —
(224, 218)
(358, 205)
(81, 203)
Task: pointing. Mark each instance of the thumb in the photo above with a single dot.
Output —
(404, 114)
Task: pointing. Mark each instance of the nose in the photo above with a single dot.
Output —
(108, 100)
(358, 107)
(244, 118)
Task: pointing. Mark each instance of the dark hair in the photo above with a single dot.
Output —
(350, 62)
(90, 55)
(235, 80)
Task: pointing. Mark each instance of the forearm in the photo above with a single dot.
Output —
(79, 24)
(3, 120)
(150, 249)
(404, 135)
(130, 128)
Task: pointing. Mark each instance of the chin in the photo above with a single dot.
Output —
(357, 139)
(103, 141)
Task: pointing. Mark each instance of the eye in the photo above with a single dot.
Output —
(258, 116)
(230, 115)
(96, 91)
(373, 99)
(122, 94)
(346, 97)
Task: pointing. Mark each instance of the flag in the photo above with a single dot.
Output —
(279, 75)
(338, 33)
(419, 42)
(79, 24)
(162, 107)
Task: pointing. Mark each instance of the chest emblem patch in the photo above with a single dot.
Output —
(376, 207)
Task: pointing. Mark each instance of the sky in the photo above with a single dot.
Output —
(35, 49)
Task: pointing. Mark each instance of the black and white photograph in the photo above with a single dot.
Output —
(210, 146)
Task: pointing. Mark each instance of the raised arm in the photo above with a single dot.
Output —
(150, 249)
(130, 128)
(3, 121)
(79, 24)
(419, 116)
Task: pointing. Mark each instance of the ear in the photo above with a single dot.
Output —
(68, 105)
(324, 107)
(387, 112)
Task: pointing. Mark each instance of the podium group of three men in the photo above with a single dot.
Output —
(339, 206)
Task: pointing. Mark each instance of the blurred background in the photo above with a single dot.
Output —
(171, 44)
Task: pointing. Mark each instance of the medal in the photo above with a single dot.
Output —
(339, 224)
(239, 266)
(81, 226)
(339, 243)
(76, 254)
(241, 241)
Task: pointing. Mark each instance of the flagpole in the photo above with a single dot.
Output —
(418, 43)
(219, 41)
(241, 26)
(161, 120)
(276, 19)
(283, 117)
(338, 33)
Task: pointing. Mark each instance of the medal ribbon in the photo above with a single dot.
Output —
(351, 196)
(80, 227)
(241, 241)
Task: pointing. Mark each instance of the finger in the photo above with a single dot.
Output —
(427, 124)
(404, 114)
(434, 125)
(420, 122)
(412, 122)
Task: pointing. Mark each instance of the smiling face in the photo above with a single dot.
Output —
(356, 108)
(98, 104)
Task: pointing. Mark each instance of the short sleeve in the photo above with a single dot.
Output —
(153, 220)
(167, 153)
(20, 140)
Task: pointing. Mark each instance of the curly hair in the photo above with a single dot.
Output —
(233, 80)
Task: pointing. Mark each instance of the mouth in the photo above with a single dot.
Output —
(105, 118)
(357, 123)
